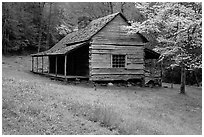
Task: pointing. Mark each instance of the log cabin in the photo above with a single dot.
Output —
(100, 50)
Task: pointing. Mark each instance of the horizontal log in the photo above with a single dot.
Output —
(137, 53)
(100, 64)
(115, 71)
(131, 43)
(111, 47)
(100, 58)
(135, 60)
(117, 40)
(135, 66)
(114, 77)
(101, 51)
(119, 34)
(129, 66)
(134, 56)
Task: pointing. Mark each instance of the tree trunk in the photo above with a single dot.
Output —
(196, 77)
(5, 13)
(6, 39)
(172, 78)
(111, 7)
(122, 7)
(161, 72)
(7, 44)
(48, 30)
(39, 40)
(183, 79)
(40, 33)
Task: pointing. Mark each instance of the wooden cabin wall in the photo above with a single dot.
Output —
(112, 39)
(101, 62)
(35, 64)
(114, 33)
(40, 64)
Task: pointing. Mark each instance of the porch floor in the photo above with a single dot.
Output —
(60, 76)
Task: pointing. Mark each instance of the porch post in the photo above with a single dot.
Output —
(65, 67)
(42, 64)
(37, 63)
(56, 65)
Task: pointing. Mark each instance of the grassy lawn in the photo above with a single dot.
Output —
(32, 104)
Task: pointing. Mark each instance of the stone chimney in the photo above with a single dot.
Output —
(83, 22)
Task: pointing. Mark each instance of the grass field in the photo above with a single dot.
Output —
(33, 104)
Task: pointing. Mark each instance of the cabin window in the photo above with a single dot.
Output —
(118, 61)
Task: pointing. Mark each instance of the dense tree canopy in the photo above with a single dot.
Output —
(178, 29)
(37, 26)
(23, 23)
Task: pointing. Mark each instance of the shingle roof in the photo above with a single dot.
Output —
(150, 54)
(61, 51)
(79, 36)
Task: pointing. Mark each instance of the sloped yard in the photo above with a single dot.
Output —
(32, 104)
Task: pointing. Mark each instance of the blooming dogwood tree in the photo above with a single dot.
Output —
(178, 29)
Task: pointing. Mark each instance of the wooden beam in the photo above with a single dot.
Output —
(65, 67)
(56, 66)
(37, 64)
(42, 64)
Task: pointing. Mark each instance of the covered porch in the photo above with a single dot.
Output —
(153, 68)
(71, 62)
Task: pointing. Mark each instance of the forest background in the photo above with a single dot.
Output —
(31, 27)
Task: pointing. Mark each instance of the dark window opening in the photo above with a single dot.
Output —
(118, 61)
